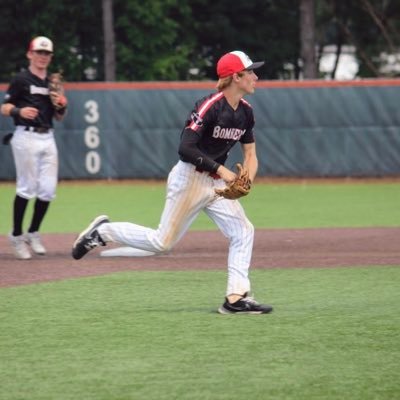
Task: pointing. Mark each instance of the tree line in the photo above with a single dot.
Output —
(166, 40)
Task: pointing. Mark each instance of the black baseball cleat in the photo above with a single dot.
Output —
(89, 239)
(245, 305)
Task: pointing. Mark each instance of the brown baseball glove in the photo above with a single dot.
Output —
(56, 91)
(239, 187)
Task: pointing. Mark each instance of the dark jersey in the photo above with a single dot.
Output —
(28, 90)
(214, 127)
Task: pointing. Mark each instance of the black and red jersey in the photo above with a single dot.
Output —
(215, 128)
(28, 90)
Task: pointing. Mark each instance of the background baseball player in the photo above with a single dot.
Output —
(33, 106)
(200, 181)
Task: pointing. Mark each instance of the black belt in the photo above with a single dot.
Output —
(37, 129)
(212, 174)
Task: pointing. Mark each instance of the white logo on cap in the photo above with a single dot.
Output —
(44, 43)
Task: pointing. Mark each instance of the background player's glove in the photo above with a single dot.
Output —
(239, 187)
(56, 91)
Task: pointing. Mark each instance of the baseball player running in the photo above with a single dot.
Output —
(200, 181)
(32, 106)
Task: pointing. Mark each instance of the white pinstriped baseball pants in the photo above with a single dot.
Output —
(36, 164)
(188, 193)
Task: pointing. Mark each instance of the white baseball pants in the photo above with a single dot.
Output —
(36, 164)
(188, 193)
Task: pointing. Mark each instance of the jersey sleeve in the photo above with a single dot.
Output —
(201, 117)
(13, 91)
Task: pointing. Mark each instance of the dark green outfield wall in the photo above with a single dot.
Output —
(303, 130)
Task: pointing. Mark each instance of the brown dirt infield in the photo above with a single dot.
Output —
(273, 248)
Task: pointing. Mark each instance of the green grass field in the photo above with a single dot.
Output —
(269, 205)
(334, 333)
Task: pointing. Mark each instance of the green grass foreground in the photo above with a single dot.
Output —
(334, 334)
(268, 206)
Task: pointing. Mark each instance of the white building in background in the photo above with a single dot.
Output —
(347, 66)
(390, 64)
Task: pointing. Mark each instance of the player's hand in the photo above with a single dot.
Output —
(59, 100)
(240, 187)
(28, 112)
(226, 174)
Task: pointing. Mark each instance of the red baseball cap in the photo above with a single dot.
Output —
(41, 43)
(235, 61)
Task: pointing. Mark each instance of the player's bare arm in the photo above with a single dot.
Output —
(226, 174)
(6, 109)
(250, 160)
(11, 110)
